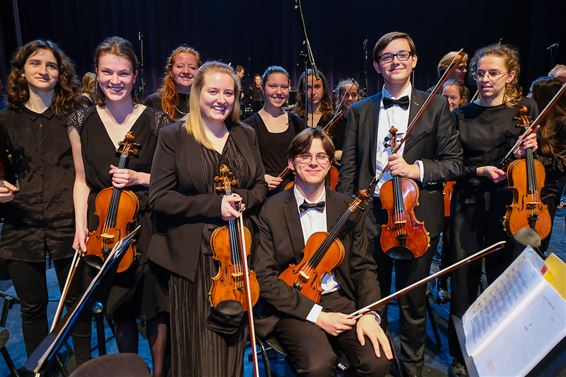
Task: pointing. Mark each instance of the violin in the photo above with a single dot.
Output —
(526, 178)
(404, 237)
(447, 195)
(323, 252)
(119, 209)
(334, 173)
(227, 245)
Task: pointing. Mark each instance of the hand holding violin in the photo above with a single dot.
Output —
(126, 177)
(7, 191)
(530, 141)
(272, 182)
(399, 167)
(231, 207)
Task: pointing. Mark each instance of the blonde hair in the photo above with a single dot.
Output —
(444, 63)
(195, 123)
(510, 55)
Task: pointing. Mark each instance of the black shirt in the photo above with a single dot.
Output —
(181, 105)
(41, 215)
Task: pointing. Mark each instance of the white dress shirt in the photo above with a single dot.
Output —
(393, 116)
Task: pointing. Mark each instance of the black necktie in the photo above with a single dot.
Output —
(319, 206)
(403, 102)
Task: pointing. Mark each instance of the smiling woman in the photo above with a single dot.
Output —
(95, 135)
(188, 209)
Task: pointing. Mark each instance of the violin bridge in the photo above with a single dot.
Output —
(107, 236)
(304, 275)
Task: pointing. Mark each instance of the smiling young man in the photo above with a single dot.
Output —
(309, 331)
(431, 154)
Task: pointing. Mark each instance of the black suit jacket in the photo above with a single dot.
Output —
(281, 242)
(434, 141)
(179, 196)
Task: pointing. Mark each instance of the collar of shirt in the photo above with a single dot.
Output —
(311, 221)
(32, 115)
(396, 116)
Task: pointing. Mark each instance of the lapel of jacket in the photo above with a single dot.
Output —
(373, 126)
(417, 100)
(334, 210)
(194, 165)
(291, 215)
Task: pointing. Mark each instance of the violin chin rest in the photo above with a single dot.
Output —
(400, 253)
(93, 261)
(527, 237)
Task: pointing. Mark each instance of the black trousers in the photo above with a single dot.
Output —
(412, 306)
(313, 350)
(29, 280)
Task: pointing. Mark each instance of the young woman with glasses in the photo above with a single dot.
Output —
(487, 131)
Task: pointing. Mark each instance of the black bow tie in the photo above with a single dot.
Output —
(403, 102)
(319, 206)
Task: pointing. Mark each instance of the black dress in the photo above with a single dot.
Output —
(273, 146)
(181, 105)
(99, 152)
(478, 205)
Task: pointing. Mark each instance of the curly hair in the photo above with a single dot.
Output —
(120, 47)
(510, 55)
(325, 102)
(168, 89)
(195, 123)
(66, 89)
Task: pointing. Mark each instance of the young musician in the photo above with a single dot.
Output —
(431, 154)
(347, 92)
(487, 131)
(36, 204)
(95, 135)
(188, 209)
(173, 96)
(275, 128)
(311, 332)
(319, 110)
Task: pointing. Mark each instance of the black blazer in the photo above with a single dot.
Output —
(179, 196)
(434, 141)
(281, 242)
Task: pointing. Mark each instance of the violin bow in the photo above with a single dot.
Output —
(538, 119)
(244, 258)
(70, 275)
(379, 303)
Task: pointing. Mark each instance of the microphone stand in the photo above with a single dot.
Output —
(310, 60)
(365, 47)
(141, 87)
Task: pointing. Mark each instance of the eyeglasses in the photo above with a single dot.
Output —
(306, 158)
(401, 55)
(492, 75)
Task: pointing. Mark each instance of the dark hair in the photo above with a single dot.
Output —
(388, 38)
(543, 89)
(510, 55)
(120, 47)
(239, 68)
(303, 140)
(325, 101)
(67, 85)
(462, 89)
(273, 69)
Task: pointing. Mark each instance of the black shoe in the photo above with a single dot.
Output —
(443, 296)
(457, 369)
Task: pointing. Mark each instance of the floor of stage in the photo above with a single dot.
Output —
(437, 359)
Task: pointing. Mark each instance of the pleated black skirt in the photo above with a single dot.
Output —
(197, 351)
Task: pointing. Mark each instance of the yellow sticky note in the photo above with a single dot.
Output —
(556, 275)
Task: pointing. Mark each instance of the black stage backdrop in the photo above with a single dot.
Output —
(256, 33)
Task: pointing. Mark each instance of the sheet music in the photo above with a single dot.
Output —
(497, 305)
